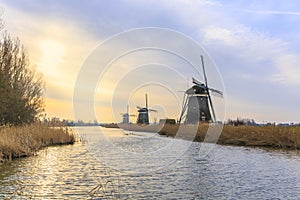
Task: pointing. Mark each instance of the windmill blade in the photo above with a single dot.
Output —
(199, 84)
(152, 110)
(212, 108)
(196, 81)
(138, 107)
(208, 93)
(204, 73)
(183, 108)
(146, 100)
(216, 92)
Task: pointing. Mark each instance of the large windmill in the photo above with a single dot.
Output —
(143, 116)
(197, 104)
(126, 116)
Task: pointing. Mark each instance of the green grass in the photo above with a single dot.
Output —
(23, 141)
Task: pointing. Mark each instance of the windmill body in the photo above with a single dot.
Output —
(143, 113)
(126, 116)
(197, 103)
(198, 108)
(143, 116)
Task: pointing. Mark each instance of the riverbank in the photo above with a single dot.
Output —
(22, 141)
(260, 136)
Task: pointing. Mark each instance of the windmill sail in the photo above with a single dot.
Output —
(207, 90)
(197, 102)
(126, 116)
(143, 112)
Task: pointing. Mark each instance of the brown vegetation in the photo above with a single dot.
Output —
(267, 136)
(21, 102)
(26, 140)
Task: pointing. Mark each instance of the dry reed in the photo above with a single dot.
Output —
(23, 141)
(267, 136)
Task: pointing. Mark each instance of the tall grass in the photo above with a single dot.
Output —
(268, 136)
(23, 141)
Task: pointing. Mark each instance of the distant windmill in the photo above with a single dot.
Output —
(126, 116)
(197, 104)
(143, 116)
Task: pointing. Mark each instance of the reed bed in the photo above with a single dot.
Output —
(267, 136)
(21, 141)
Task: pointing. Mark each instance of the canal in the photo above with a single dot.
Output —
(114, 164)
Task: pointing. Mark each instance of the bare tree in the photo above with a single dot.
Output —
(21, 89)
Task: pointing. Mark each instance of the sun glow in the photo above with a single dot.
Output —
(52, 53)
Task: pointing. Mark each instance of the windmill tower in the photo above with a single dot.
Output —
(143, 116)
(126, 116)
(197, 104)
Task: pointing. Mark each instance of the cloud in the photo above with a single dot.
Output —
(259, 111)
(243, 41)
(217, 34)
(57, 47)
(288, 66)
(245, 49)
(273, 12)
(249, 51)
(257, 51)
(57, 108)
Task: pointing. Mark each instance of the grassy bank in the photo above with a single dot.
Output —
(267, 136)
(26, 140)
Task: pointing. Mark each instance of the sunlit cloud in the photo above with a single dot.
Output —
(52, 57)
(58, 107)
(247, 52)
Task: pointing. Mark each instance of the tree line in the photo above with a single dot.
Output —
(21, 88)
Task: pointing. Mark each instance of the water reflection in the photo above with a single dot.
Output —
(71, 172)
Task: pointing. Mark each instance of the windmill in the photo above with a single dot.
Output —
(126, 116)
(143, 116)
(197, 103)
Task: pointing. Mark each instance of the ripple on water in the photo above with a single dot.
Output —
(71, 172)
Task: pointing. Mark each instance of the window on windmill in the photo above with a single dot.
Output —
(202, 116)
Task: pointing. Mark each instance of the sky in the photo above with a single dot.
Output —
(253, 48)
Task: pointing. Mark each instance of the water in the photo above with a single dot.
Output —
(72, 172)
